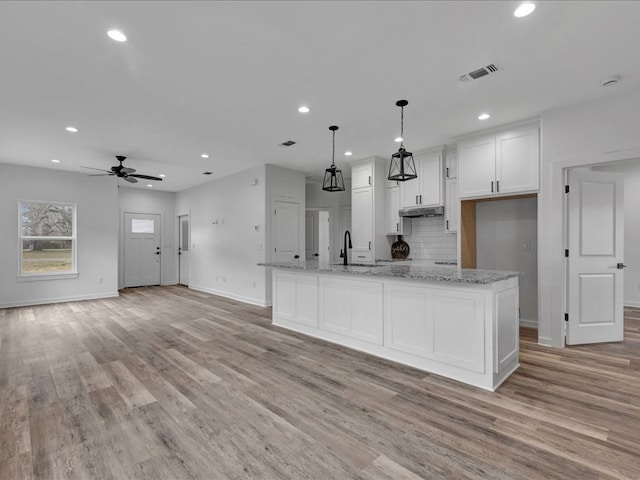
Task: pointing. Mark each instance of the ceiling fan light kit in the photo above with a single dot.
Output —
(333, 179)
(121, 171)
(402, 166)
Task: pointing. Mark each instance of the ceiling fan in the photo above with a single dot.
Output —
(123, 172)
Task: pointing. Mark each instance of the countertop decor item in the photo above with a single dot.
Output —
(333, 180)
(400, 249)
(402, 167)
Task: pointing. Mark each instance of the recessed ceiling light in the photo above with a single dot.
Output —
(524, 9)
(55, 161)
(205, 155)
(304, 109)
(483, 116)
(348, 154)
(71, 129)
(162, 175)
(117, 35)
(398, 139)
(149, 185)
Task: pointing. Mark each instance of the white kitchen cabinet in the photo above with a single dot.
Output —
(395, 224)
(505, 164)
(362, 175)
(368, 211)
(451, 165)
(451, 206)
(296, 298)
(426, 190)
(351, 307)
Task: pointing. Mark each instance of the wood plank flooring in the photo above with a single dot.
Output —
(168, 383)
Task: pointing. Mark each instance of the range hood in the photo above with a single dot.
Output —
(422, 212)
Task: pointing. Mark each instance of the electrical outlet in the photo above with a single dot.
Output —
(526, 246)
(101, 280)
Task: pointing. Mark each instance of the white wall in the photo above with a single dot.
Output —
(428, 240)
(332, 201)
(136, 200)
(631, 172)
(502, 229)
(96, 200)
(597, 131)
(288, 185)
(225, 247)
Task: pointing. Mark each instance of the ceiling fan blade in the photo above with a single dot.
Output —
(130, 179)
(127, 170)
(99, 169)
(148, 177)
(101, 175)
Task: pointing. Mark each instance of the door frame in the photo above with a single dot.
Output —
(121, 245)
(552, 224)
(177, 249)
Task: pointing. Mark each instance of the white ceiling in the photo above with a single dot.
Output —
(227, 78)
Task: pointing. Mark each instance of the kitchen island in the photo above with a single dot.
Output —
(458, 323)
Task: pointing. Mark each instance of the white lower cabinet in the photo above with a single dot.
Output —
(296, 298)
(438, 324)
(467, 332)
(351, 307)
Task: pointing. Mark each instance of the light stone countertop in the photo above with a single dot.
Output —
(416, 272)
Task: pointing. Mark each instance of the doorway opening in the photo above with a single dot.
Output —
(142, 252)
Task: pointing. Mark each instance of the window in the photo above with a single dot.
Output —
(47, 238)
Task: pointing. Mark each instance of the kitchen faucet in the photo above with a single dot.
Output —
(343, 254)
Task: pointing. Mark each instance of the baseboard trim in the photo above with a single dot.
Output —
(545, 341)
(631, 304)
(46, 301)
(240, 298)
(529, 323)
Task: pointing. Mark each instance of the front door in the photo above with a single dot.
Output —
(285, 231)
(183, 250)
(595, 237)
(141, 249)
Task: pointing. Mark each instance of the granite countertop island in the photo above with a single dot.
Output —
(459, 323)
(415, 272)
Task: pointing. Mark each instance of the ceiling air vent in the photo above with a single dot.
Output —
(288, 143)
(207, 173)
(479, 73)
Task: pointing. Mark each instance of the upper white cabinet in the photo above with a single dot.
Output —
(395, 224)
(451, 206)
(504, 164)
(451, 165)
(368, 211)
(427, 189)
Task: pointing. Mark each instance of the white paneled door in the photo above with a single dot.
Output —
(285, 231)
(595, 276)
(183, 249)
(141, 249)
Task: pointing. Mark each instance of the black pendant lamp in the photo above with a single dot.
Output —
(402, 166)
(333, 180)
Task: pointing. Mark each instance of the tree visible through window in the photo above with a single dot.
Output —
(47, 237)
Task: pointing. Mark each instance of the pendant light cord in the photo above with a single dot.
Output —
(402, 127)
(333, 154)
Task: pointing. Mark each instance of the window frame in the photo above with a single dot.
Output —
(73, 273)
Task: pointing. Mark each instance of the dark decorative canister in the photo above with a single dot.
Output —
(400, 249)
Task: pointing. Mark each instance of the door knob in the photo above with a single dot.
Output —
(158, 253)
(296, 256)
(620, 266)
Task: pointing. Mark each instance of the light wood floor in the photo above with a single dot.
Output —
(167, 383)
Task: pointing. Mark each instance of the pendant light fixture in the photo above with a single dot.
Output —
(333, 180)
(402, 166)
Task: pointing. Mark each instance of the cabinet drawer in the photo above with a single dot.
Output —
(360, 256)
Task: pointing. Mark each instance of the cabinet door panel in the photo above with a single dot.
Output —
(430, 179)
(409, 192)
(408, 322)
(366, 311)
(361, 175)
(452, 206)
(476, 168)
(517, 161)
(392, 219)
(362, 218)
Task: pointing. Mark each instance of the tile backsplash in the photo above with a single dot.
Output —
(428, 240)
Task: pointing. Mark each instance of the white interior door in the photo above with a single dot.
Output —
(184, 235)
(324, 236)
(285, 231)
(595, 276)
(141, 249)
(311, 234)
